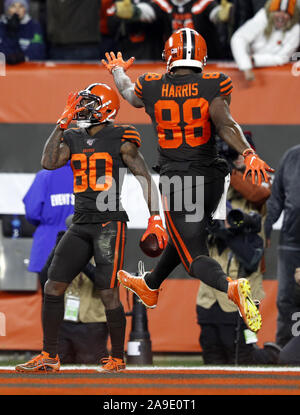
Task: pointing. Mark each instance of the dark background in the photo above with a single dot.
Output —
(21, 145)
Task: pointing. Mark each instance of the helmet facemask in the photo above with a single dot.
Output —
(93, 112)
(99, 103)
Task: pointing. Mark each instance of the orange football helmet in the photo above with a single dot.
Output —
(287, 6)
(100, 104)
(185, 47)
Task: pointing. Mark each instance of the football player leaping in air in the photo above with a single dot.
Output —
(99, 151)
(187, 107)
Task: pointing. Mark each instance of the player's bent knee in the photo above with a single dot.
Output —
(209, 271)
(204, 266)
(201, 264)
(55, 287)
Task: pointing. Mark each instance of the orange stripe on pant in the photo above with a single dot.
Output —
(176, 246)
(176, 238)
(122, 246)
(116, 257)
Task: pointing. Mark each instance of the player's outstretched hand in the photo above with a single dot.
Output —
(255, 165)
(156, 227)
(114, 62)
(69, 111)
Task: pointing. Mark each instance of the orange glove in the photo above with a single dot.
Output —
(69, 111)
(156, 227)
(255, 165)
(114, 62)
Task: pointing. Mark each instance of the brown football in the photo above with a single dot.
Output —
(150, 246)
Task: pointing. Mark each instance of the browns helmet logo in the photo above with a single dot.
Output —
(185, 48)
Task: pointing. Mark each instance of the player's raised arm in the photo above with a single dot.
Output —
(56, 153)
(230, 131)
(136, 164)
(117, 67)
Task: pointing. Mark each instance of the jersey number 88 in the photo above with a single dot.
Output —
(192, 127)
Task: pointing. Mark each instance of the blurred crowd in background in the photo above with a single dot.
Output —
(252, 32)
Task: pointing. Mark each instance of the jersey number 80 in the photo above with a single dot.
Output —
(86, 173)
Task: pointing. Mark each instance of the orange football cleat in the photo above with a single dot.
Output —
(40, 363)
(112, 365)
(239, 292)
(139, 287)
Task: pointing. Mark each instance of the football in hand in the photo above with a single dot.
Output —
(150, 246)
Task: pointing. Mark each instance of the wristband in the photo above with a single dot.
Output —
(248, 151)
(63, 128)
(114, 68)
(154, 219)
